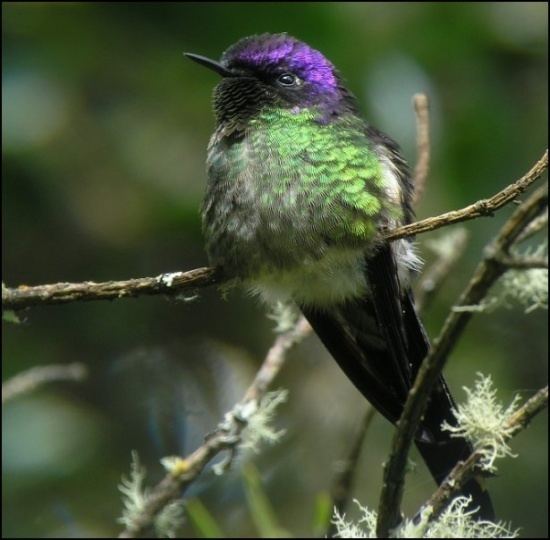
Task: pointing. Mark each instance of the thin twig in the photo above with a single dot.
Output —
(464, 470)
(422, 110)
(449, 249)
(37, 376)
(343, 482)
(523, 262)
(176, 283)
(534, 227)
(275, 358)
(485, 275)
(183, 471)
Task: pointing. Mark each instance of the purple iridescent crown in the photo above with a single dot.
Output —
(273, 51)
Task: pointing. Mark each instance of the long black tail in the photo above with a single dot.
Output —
(379, 342)
(444, 452)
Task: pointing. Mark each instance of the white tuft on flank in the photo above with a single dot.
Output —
(405, 254)
(409, 261)
(390, 173)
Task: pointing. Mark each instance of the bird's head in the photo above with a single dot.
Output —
(275, 70)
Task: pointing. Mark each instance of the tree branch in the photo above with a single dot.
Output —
(534, 227)
(464, 470)
(523, 262)
(173, 284)
(183, 471)
(485, 275)
(37, 376)
(422, 111)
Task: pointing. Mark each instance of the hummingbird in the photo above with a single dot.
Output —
(299, 189)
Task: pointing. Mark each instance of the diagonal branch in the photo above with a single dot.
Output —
(176, 283)
(485, 275)
(183, 471)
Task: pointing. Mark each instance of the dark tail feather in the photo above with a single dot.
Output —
(350, 334)
(349, 331)
(442, 454)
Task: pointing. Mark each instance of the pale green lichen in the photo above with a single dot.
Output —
(484, 421)
(249, 425)
(170, 519)
(365, 527)
(529, 288)
(259, 428)
(456, 521)
(285, 315)
(525, 287)
(135, 497)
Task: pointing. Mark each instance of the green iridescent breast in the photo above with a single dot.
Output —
(336, 164)
(292, 188)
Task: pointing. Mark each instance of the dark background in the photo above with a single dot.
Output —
(105, 128)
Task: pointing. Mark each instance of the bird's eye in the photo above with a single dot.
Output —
(287, 79)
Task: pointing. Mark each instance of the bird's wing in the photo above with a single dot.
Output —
(372, 338)
(350, 333)
(402, 331)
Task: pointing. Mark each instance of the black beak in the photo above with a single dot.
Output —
(210, 64)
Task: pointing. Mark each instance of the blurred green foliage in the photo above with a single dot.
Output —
(105, 127)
